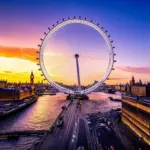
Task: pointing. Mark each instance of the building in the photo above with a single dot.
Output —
(136, 115)
(117, 87)
(120, 87)
(32, 78)
(16, 91)
(132, 82)
(3, 83)
(148, 90)
(128, 88)
(139, 90)
(123, 88)
(135, 88)
(13, 94)
(9, 94)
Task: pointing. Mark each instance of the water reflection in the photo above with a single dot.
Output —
(38, 116)
(42, 114)
(99, 102)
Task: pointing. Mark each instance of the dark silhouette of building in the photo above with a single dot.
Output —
(3, 83)
(32, 78)
(132, 82)
(148, 90)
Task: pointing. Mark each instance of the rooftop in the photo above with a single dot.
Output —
(142, 100)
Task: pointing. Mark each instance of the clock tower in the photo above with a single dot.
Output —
(32, 78)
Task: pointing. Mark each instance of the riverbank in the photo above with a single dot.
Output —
(7, 108)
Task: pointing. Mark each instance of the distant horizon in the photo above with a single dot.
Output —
(38, 76)
(46, 82)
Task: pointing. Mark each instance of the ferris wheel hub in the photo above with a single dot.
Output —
(76, 55)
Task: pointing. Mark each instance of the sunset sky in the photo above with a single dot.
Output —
(23, 23)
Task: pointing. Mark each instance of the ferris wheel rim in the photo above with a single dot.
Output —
(56, 28)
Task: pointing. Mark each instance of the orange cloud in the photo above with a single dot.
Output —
(17, 52)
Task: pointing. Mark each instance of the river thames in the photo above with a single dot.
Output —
(42, 114)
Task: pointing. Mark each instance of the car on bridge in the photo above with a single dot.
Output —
(64, 107)
(51, 129)
(80, 148)
(60, 121)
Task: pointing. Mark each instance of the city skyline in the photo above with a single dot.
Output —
(24, 23)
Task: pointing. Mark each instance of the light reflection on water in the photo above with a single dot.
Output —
(99, 102)
(38, 116)
(41, 115)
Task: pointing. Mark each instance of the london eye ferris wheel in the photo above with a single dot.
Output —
(55, 28)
